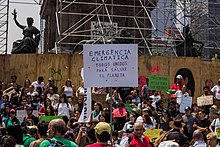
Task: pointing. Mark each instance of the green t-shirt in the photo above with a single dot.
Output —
(27, 140)
(67, 143)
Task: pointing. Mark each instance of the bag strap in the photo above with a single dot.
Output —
(26, 139)
(55, 141)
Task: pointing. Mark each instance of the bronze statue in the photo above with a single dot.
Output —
(29, 43)
(188, 44)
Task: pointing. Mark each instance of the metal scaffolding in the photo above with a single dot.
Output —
(4, 8)
(155, 25)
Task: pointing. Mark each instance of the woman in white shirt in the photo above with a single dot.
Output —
(67, 89)
(63, 108)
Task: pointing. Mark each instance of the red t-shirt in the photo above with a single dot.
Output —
(99, 145)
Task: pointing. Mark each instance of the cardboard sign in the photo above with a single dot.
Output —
(185, 101)
(158, 83)
(152, 134)
(205, 100)
(110, 65)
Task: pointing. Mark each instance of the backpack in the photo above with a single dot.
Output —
(55, 143)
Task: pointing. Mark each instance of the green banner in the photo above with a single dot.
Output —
(49, 118)
(129, 107)
(158, 83)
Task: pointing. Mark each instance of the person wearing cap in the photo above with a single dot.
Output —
(12, 119)
(176, 133)
(56, 131)
(30, 117)
(190, 121)
(51, 83)
(102, 134)
(38, 83)
(178, 83)
(137, 138)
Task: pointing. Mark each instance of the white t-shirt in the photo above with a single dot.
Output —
(36, 84)
(155, 99)
(81, 90)
(216, 124)
(179, 94)
(68, 91)
(216, 90)
(63, 110)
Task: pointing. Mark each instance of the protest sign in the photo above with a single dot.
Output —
(204, 100)
(21, 114)
(185, 101)
(129, 107)
(49, 118)
(158, 83)
(86, 112)
(152, 134)
(110, 65)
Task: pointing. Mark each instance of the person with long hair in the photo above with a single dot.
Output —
(47, 103)
(49, 111)
(97, 111)
(68, 89)
(63, 108)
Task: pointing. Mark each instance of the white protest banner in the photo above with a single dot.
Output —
(21, 114)
(87, 108)
(205, 100)
(110, 65)
(185, 101)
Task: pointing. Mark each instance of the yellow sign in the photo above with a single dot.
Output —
(153, 134)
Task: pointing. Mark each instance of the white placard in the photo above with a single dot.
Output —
(87, 105)
(185, 101)
(21, 114)
(110, 65)
(205, 100)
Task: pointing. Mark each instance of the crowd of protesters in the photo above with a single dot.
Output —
(134, 111)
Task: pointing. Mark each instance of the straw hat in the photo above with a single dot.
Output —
(177, 123)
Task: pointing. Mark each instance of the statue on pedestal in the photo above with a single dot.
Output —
(31, 38)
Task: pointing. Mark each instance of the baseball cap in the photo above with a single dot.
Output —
(102, 127)
(187, 108)
(12, 111)
(51, 79)
(179, 77)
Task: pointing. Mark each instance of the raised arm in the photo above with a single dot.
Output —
(15, 19)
